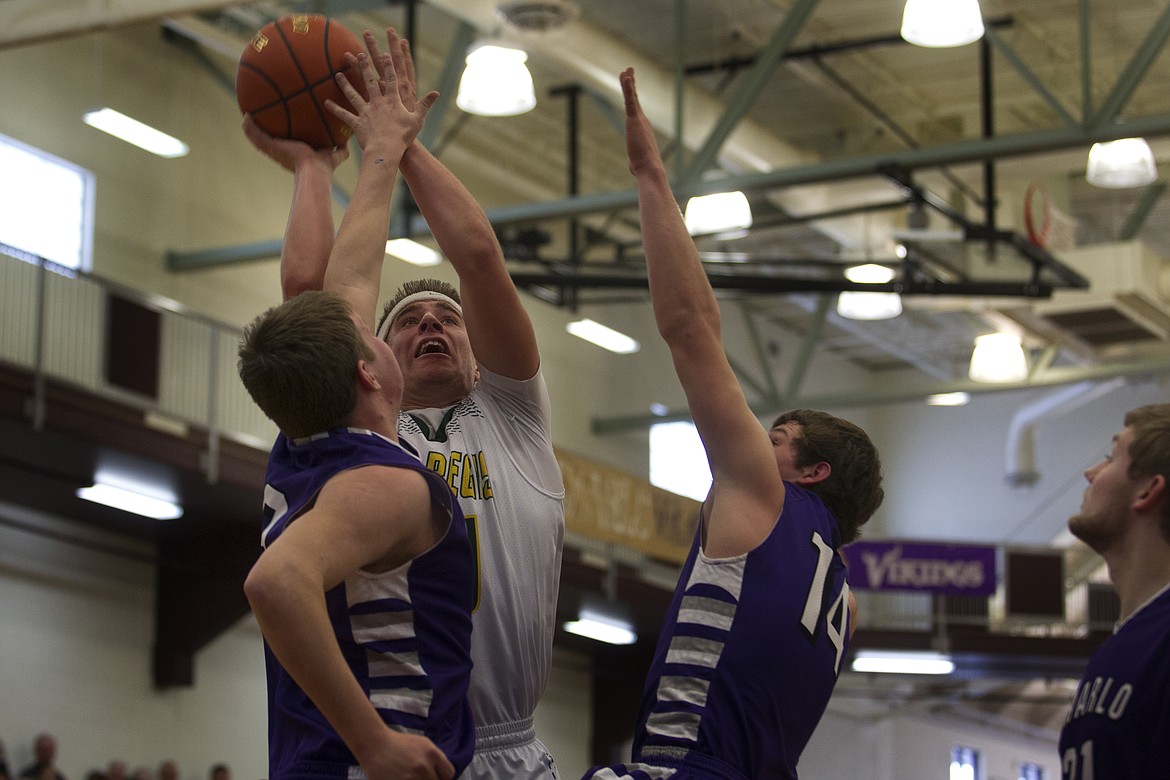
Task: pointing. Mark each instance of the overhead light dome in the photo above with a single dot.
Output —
(719, 212)
(942, 23)
(496, 82)
(1126, 162)
(998, 357)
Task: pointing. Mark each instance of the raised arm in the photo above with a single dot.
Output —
(308, 236)
(501, 333)
(747, 492)
(351, 526)
(384, 127)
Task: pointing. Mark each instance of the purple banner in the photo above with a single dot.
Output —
(956, 569)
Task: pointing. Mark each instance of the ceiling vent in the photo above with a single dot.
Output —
(1127, 305)
(537, 16)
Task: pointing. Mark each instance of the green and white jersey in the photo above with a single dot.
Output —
(494, 449)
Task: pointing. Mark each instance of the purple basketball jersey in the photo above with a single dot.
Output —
(405, 633)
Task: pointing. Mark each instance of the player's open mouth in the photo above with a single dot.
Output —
(431, 347)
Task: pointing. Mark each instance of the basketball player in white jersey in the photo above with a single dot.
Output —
(476, 409)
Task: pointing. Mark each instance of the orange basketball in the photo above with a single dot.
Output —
(286, 74)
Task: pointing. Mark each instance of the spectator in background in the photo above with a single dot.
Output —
(4, 775)
(45, 751)
(221, 772)
(142, 773)
(168, 770)
(116, 770)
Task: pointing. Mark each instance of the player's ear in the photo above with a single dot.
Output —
(1153, 491)
(366, 376)
(811, 475)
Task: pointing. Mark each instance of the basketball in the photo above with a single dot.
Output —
(287, 72)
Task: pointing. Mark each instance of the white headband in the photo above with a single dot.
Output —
(425, 295)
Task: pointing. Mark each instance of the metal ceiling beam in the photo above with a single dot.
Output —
(895, 347)
(750, 88)
(969, 151)
(1128, 81)
(807, 346)
(1028, 76)
(771, 391)
(1051, 378)
(563, 276)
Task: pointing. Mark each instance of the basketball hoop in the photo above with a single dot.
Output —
(1037, 214)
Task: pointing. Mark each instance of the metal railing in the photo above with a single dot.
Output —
(54, 322)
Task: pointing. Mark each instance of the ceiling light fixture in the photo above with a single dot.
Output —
(718, 213)
(134, 132)
(611, 632)
(948, 399)
(998, 358)
(496, 82)
(603, 336)
(940, 24)
(860, 305)
(888, 662)
(410, 251)
(1116, 165)
(131, 501)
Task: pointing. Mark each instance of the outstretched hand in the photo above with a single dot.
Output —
(641, 145)
(382, 113)
(289, 153)
(398, 57)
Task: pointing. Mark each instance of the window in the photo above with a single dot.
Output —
(964, 763)
(1031, 771)
(46, 205)
(678, 462)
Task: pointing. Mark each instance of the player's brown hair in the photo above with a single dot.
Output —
(299, 361)
(853, 491)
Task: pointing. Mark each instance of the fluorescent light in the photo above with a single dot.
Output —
(942, 23)
(602, 336)
(609, 631)
(1126, 162)
(860, 305)
(869, 273)
(948, 399)
(998, 357)
(412, 252)
(134, 132)
(717, 213)
(888, 662)
(130, 501)
(496, 82)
